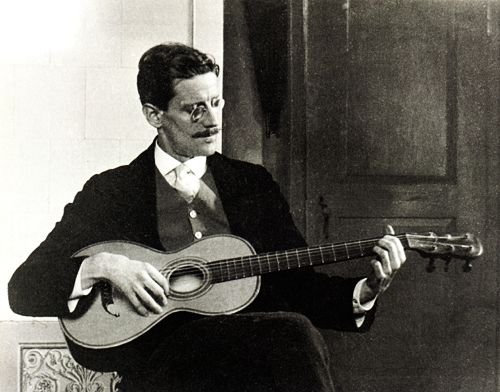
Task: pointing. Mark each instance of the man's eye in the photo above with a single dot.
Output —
(217, 102)
(193, 108)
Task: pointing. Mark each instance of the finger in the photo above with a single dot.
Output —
(148, 301)
(399, 249)
(378, 270)
(384, 259)
(390, 244)
(156, 291)
(159, 278)
(389, 230)
(138, 306)
(382, 281)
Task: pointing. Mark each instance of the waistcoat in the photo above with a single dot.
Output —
(180, 223)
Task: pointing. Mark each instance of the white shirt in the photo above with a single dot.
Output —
(165, 163)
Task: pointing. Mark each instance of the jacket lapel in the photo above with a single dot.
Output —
(239, 202)
(227, 181)
(142, 198)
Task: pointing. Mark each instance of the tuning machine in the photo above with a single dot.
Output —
(447, 261)
(431, 267)
(467, 267)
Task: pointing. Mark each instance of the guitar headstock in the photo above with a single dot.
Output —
(464, 246)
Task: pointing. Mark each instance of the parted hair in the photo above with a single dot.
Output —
(161, 65)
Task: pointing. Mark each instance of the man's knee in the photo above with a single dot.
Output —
(299, 325)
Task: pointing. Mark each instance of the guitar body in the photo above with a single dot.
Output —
(106, 318)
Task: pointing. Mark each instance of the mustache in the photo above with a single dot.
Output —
(206, 133)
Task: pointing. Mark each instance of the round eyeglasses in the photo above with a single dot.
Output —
(199, 110)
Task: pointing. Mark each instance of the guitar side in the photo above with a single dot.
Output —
(109, 320)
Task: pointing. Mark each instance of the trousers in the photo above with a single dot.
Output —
(253, 352)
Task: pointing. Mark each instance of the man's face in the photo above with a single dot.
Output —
(179, 135)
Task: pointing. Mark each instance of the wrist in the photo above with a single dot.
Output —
(94, 270)
(367, 293)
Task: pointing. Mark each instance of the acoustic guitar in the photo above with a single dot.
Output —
(219, 275)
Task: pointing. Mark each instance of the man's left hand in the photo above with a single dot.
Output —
(391, 256)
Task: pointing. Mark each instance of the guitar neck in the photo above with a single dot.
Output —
(255, 265)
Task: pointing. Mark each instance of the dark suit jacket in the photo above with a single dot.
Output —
(119, 204)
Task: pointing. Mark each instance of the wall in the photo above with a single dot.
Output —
(69, 109)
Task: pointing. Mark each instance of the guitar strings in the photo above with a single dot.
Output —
(237, 267)
(241, 267)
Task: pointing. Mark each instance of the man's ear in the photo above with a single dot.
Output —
(152, 114)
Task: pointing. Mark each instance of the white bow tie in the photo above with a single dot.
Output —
(184, 181)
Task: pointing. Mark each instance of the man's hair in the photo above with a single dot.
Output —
(162, 64)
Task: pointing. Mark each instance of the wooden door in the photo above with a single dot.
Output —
(395, 120)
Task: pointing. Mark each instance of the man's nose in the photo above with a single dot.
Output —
(211, 117)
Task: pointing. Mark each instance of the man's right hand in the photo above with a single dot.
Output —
(144, 286)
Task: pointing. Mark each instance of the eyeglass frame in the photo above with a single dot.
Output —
(203, 107)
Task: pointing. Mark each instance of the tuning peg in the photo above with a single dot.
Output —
(447, 261)
(467, 267)
(431, 266)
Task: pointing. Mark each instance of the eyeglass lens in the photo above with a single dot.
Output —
(200, 110)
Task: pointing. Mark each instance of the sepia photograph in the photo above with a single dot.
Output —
(250, 195)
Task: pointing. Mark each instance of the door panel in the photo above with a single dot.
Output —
(397, 90)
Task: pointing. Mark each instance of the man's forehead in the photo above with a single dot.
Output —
(198, 88)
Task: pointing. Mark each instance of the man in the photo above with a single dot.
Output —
(178, 191)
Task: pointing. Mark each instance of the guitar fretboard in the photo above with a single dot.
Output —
(254, 265)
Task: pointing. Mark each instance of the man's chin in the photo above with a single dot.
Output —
(208, 149)
(210, 139)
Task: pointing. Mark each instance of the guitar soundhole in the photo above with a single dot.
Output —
(187, 280)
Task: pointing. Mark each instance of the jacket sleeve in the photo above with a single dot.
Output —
(42, 284)
(325, 300)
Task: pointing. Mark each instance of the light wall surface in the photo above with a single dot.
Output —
(68, 102)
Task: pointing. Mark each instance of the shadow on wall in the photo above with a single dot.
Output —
(255, 74)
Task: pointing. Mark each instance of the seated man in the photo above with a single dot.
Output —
(177, 192)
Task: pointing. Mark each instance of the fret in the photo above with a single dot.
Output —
(298, 258)
(346, 250)
(251, 267)
(309, 255)
(278, 262)
(278, 259)
(259, 261)
(268, 263)
(334, 255)
(287, 261)
(235, 270)
(228, 270)
(360, 249)
(221, 271)
(242, 266)
(321, 254)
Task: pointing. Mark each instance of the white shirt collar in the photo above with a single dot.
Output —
(165, 163)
